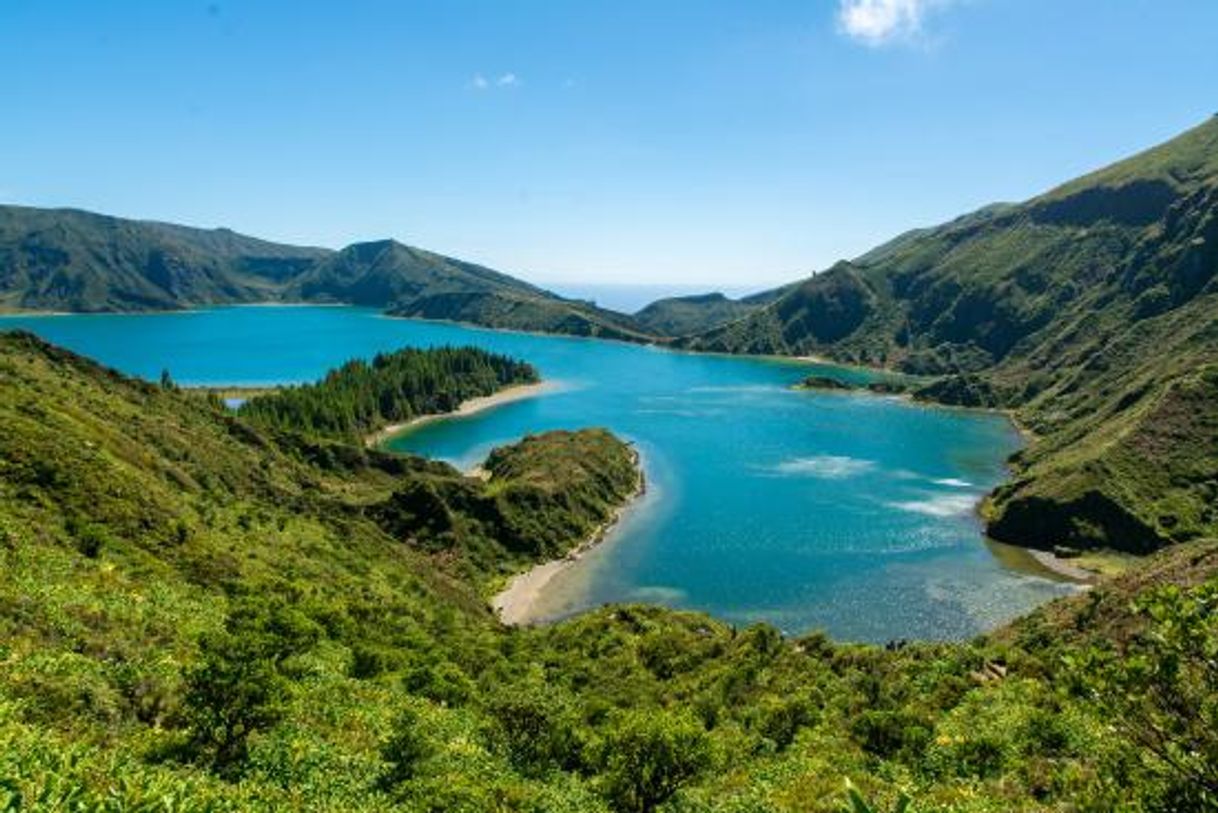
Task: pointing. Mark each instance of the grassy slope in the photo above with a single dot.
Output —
(1092, 311)
(509, 310)
(687, 315)
(69, 260)
(133, 519)
(384, 272)
(64, 259)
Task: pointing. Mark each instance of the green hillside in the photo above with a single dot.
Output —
(198, 614)
(1091, 311)
(74, 261)
(508, 310)
(385, 272)
(686, 315)
(69, 260)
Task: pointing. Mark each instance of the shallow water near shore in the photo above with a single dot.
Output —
(849, 513)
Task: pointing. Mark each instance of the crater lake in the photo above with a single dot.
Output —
(845, 512)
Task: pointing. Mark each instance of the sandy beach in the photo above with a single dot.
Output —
(470, 407)
(1062, 567)
(514, 604)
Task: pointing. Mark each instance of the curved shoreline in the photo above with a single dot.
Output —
(471, 406)
(514, 604)
(808, 359)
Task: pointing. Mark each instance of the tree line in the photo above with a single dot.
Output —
(360, 397)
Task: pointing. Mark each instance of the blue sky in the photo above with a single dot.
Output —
(678, 141)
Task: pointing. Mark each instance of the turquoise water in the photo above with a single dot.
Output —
(848, 513)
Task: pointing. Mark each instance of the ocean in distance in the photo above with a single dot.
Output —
(848, 513)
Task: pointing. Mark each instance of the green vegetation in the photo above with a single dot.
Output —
(687, 315)
(202, 614)
(68, 260)
(385, 272)
(1091, 312)
(1088, 311)
(513, 311)
(826, 382)
(360, 398)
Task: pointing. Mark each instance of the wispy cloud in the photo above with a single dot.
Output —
(881, 22)
(506, 81)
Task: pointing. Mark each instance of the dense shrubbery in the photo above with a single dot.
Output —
(302, 646)
(360, 397)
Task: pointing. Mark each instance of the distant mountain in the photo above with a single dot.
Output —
(69, 260)
(1091, 310)
(512, 310)
(385, 272)
(66, 259)
(686, 315)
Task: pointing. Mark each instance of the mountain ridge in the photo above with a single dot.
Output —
(1079, 310)
(67, 259)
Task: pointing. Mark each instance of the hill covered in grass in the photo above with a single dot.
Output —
(199, 613)
(1091, 311)
(69, 260)
(509, 310)
(686, 315)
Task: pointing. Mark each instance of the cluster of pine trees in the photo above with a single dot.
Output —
(360, 397)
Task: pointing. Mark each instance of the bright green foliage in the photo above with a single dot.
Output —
(646, 757)
(239, 686)
(405, 751)
(199, 614)
(360, 397)
(860, 805)
(560, 468)
(1162, 689)
(537, 727)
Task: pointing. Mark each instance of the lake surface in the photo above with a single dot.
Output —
(849, 513)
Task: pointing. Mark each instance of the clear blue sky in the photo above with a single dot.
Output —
(726, 142)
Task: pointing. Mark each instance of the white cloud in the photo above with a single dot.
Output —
(880, 22)
(504, 80)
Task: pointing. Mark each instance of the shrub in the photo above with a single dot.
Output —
(239, 688)
(648, 756)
